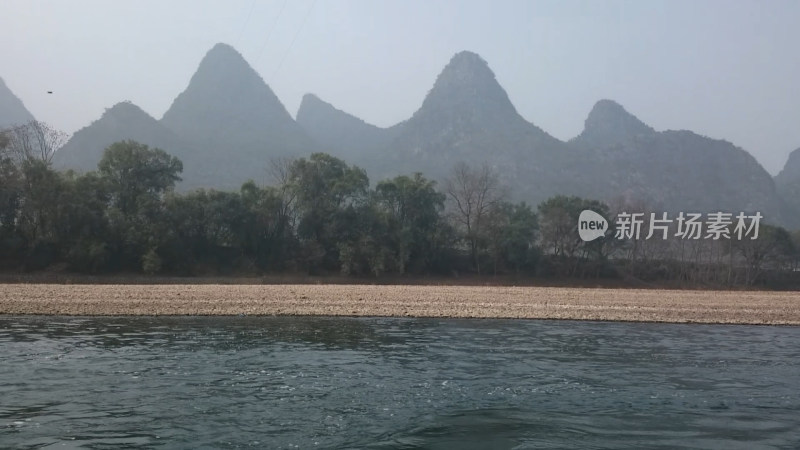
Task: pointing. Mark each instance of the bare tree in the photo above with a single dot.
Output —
(773, 249)
(279, 169)
(280, 172)
(473, 195)
(34, 141)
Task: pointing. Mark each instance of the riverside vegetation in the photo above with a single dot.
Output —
(321, 216)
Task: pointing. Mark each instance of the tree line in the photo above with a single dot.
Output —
(320, 215)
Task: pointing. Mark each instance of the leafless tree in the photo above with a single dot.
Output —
(34, 140)
(773, 249)
(280, 173)
(473, 193)
(279, 169)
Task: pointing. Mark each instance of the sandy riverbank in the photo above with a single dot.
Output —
(416, 301)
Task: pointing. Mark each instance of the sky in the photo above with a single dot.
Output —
(724, 69)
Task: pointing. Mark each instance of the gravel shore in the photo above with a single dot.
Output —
(678, 306)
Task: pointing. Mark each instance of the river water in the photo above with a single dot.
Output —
(289, 382)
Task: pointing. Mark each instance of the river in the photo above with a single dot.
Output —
(316, 382)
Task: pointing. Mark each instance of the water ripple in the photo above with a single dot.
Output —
(275, 382)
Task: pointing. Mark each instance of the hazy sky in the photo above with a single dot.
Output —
(725, 69)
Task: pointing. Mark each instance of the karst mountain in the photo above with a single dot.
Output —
(12, 110)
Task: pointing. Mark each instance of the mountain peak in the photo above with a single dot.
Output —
(233, 121)
(222, 53)
(468, 71)
(12, 110)
(223, 47)
(466, 94)
(467, 60)
(125, 109)
(467, 116)
(312, 100)
(791, 170)
(221, 64)
(227, 94)
(609, 123)
(787, 182)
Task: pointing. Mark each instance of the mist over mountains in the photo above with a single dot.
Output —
(228, 124)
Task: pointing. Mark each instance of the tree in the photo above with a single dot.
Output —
(29, 192)
(558, 217)
(137, 173)
(558, 220)
(137, 178)
(205, 228)
(267, 228)
(327, 192)
(473, 193)
(83, 229)
(412, 209)
(41, 194)
(773, 249)
(35, 141)
(512, 235)
(10, 199)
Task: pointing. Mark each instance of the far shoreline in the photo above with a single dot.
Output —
(465, 280)
(421, 301)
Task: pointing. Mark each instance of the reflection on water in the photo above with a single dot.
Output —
(275, 382)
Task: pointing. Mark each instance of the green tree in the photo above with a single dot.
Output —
(412, 211)
(327, 193)
(83, 227)
(267, 230)
(137, 174)
(512, 235)
(137, 178)
(10, 198)
(204, 232)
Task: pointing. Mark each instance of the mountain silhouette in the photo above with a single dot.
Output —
(609, 123)
(467, 117)
(467, 114)
(227, 125)
(339, 133)
(12, 110)
(788, 185)
(233, 121)
(122, 121)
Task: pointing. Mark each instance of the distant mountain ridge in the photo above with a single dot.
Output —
(228, 124)
(122, 121)
(340, 133)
